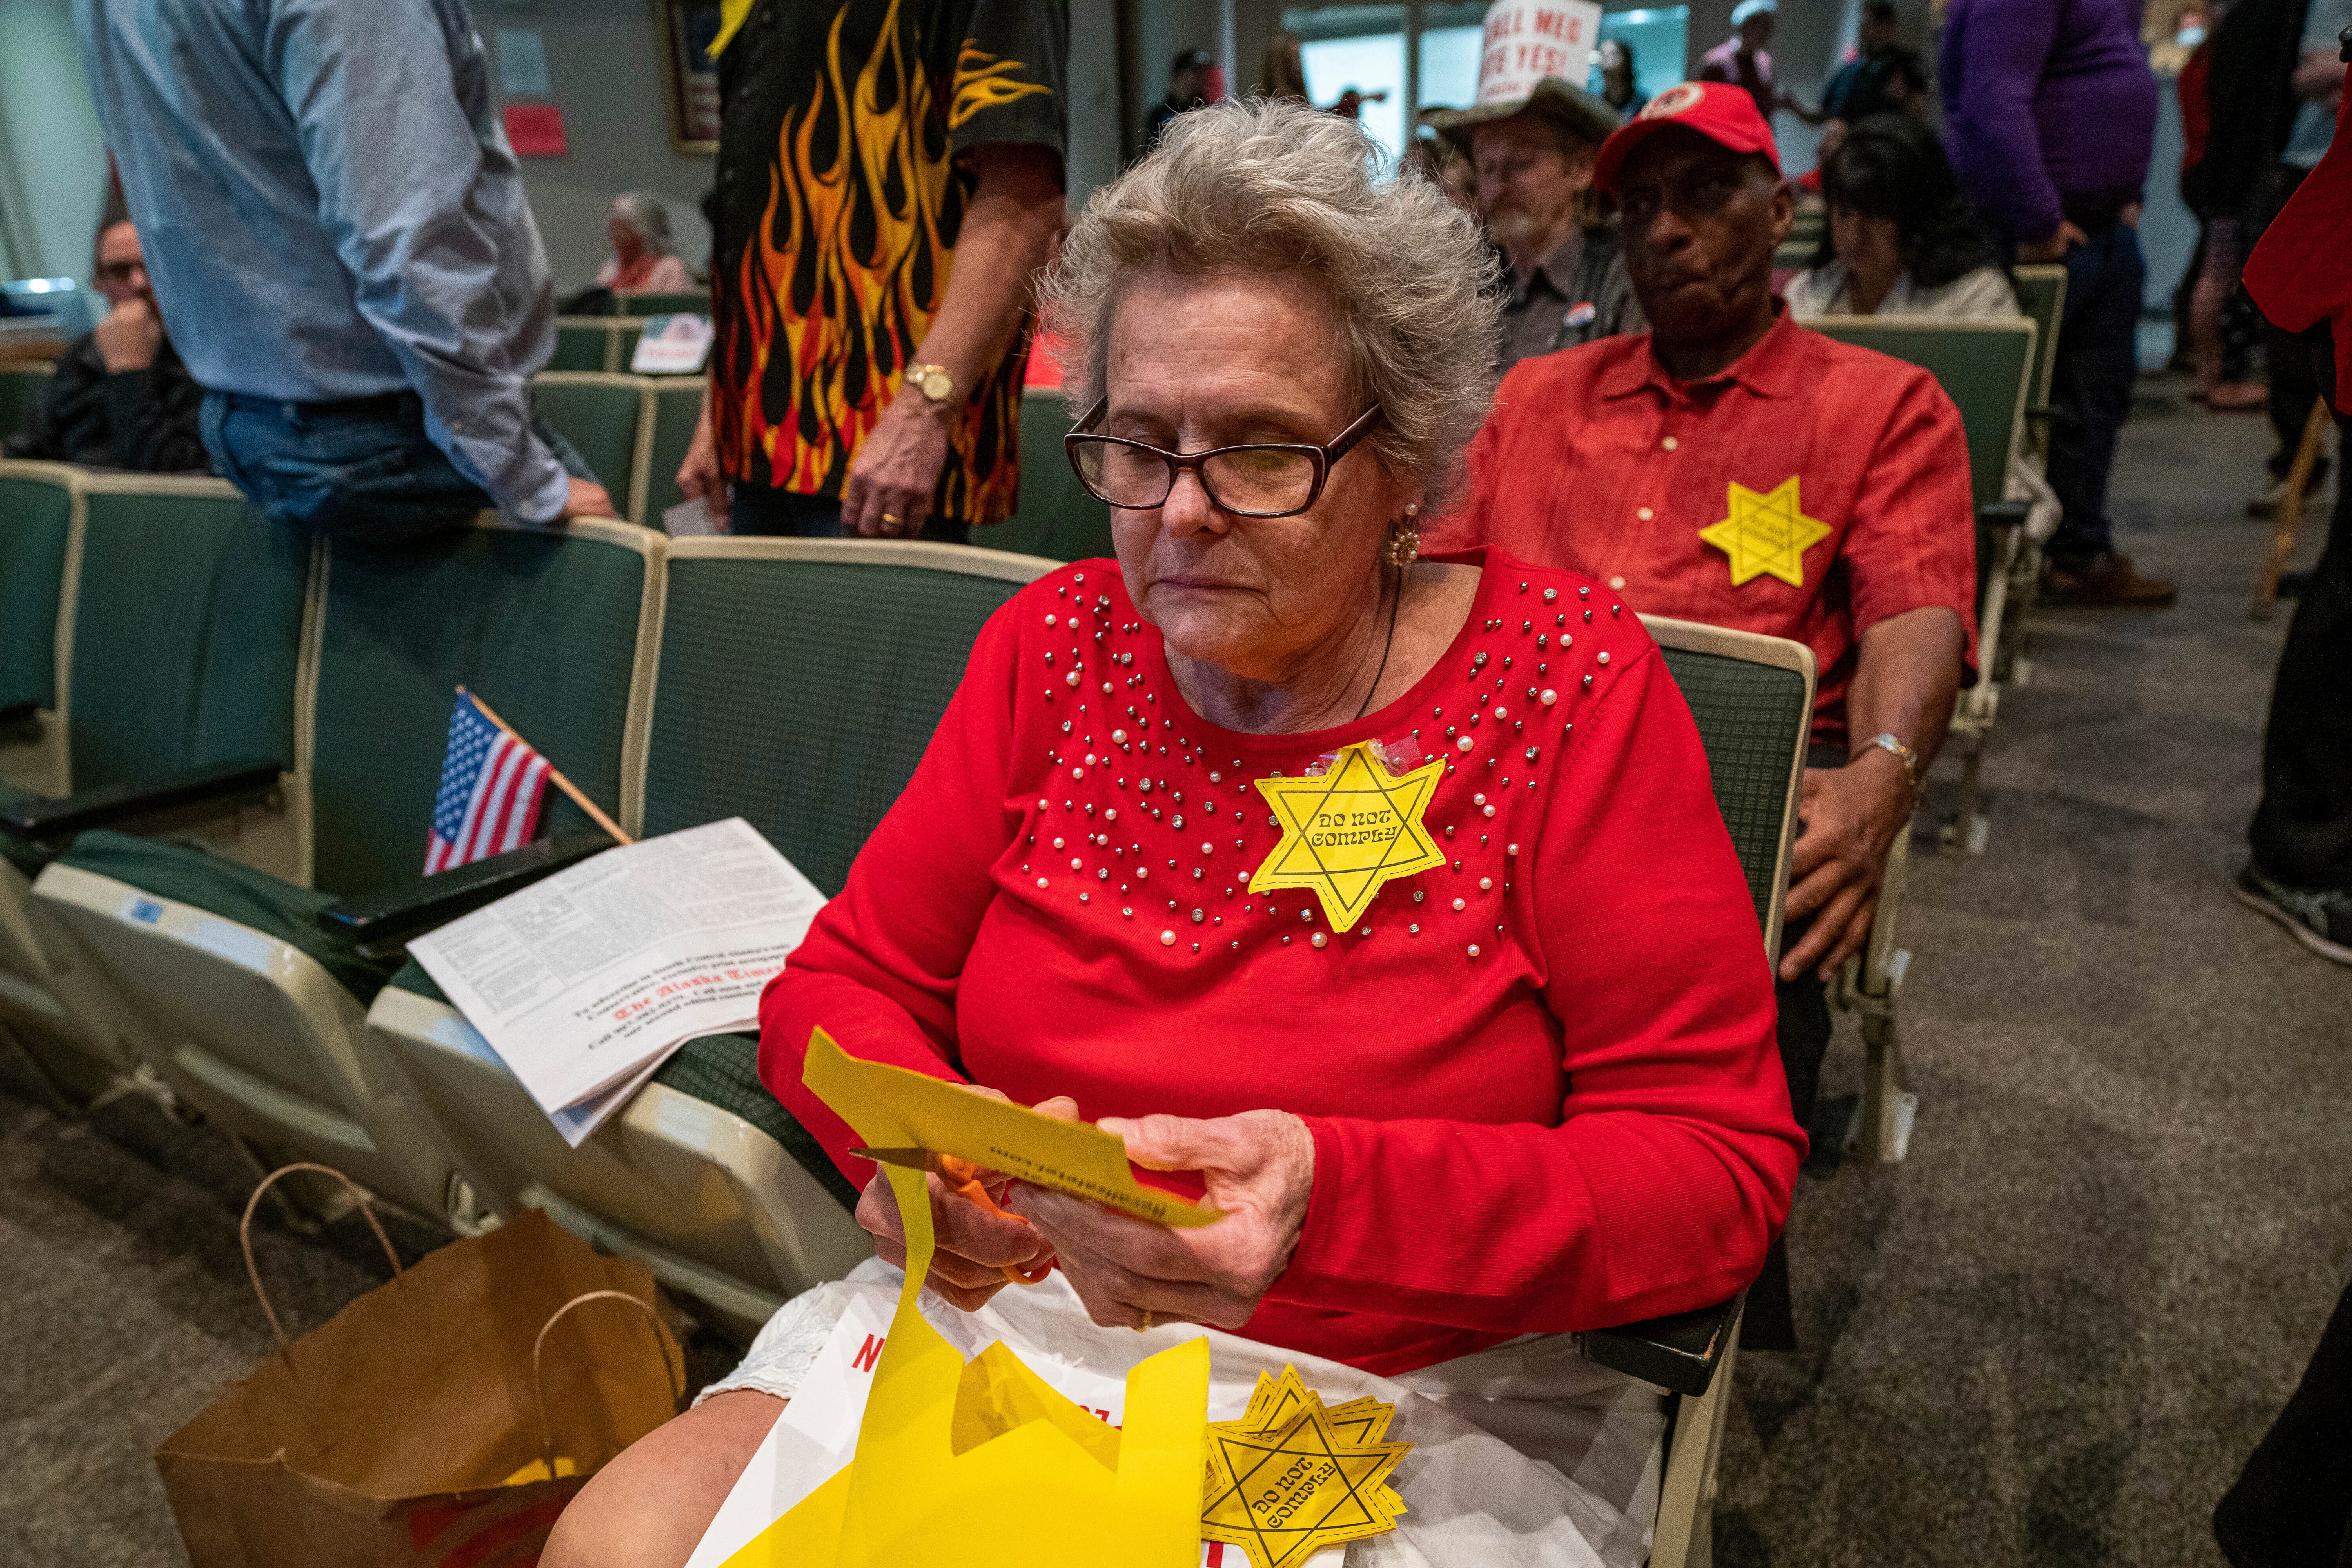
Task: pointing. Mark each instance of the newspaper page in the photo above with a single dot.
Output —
(586, 982)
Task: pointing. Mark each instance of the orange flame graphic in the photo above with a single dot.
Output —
(848, 266)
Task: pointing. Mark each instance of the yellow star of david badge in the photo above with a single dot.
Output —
(1348, 832)
(1291, 1477)
(1768, 531)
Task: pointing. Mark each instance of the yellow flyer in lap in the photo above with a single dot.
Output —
(980, 1464)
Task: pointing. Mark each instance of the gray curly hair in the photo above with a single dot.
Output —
(1280, 188)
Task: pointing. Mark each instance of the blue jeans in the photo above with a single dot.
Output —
(2091, 382)
(358, 471)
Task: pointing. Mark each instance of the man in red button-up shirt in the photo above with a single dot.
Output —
(1732, 468)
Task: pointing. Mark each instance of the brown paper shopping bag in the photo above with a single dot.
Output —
(411, 1429)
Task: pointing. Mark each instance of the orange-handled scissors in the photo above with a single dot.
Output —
(962, 1178)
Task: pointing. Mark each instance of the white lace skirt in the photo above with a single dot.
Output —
(1525, 1455)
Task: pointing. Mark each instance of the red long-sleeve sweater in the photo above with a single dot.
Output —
(1556, 1106)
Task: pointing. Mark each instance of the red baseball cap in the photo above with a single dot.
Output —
(1721, 112)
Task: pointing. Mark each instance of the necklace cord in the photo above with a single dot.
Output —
(1386, 645)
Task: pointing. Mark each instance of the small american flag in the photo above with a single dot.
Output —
(491, 785)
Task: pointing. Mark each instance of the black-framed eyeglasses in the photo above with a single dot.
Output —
(1260, 479)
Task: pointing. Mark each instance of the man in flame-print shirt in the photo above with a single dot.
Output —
(890, 176)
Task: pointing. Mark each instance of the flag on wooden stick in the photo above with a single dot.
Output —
(492, 785)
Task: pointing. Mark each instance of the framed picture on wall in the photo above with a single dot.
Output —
(691, 80)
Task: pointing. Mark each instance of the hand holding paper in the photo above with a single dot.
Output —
(1260, 1171)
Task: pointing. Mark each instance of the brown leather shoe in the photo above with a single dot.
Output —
(2105, 582)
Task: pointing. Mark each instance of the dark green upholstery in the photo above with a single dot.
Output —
(36, 515)
(1751, 720)
(600, 419)
(1981, 367)
(721, 1070)
(21, 387)
(542, 625)
(2041, 294)
(16, 850)
(678, 406)
(581, 342)
(188, 874)
(682, 304)
(186, 628)
(1055, 518)
(800, 695)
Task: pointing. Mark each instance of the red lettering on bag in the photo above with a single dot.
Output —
(868, 1353)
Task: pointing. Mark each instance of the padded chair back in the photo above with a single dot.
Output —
(40, 506)
(676, 406)
(1056, 517)
(801, 679)
(21, 387)
(553, 629)
(1752, 698)
(582, 343)
(601, 415)
(1982, 367)
(2042, 295)
(696, 302)
(186, 634)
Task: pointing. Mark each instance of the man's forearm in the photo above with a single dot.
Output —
(1908, 675)
(1006, 234)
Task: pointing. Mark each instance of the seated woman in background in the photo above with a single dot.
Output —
(1532, 1088)
(1902, 240)
(644, 258)
(121, 398)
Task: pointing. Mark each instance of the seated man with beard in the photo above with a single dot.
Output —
(1730, 467)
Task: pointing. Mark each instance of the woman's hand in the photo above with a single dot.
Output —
(972, 1245)
(1260, 1171)
(699, 474)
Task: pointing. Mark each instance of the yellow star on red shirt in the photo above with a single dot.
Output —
(1349, 831)
(1768, 531)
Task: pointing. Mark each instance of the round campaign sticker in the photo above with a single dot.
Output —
(1674, 100)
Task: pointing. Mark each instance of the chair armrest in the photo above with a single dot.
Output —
(1997, 515)
(1679, 1352)
(378, 923)
(205, 790)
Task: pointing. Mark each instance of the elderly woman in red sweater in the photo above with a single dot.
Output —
(1529, 1087)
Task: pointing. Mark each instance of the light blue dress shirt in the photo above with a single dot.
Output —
(328, 209)
(2314, 127)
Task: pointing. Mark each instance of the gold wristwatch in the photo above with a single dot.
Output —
(1904, 754)
(932, 381)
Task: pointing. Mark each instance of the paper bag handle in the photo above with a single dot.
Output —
(245, 1233)
(538, 1385)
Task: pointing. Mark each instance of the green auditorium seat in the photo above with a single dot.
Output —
(1056, 517)
(594, 344)
(1752, 698)
(259, 1014)
(695, 302)
(1984, 366)
(601, 416)
(676, 408)
(21, 387)
(2042, 295)
(179, 662)
(40, 521)
(799, 683)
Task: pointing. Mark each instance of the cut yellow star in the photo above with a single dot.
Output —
(1350, 831)
(1284, 1495)
(1768, 531)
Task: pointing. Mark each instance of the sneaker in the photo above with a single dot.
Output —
(2321, 921)
(2105, 582)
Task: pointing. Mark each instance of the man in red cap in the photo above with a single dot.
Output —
(1731, 466)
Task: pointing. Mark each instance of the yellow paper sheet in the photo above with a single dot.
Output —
(983, 1465)
(1066, 1156)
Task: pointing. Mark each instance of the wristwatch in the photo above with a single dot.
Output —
(932, 381)
(1904, 754)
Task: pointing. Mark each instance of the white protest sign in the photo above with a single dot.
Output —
(1527, 40)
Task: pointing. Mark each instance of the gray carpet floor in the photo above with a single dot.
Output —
(2049, 1336)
